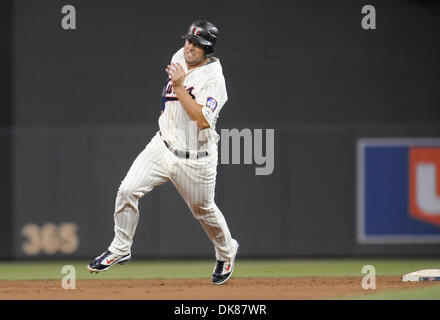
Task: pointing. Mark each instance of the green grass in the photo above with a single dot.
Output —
(200, 269)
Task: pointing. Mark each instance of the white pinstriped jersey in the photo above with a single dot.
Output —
(206, 85)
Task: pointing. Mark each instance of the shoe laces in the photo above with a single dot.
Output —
(219, 267)
(103, 256)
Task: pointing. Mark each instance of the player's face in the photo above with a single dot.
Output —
(194, 54)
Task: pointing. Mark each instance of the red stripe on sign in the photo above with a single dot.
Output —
(424, 184)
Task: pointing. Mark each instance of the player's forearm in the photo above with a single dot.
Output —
(192, 108)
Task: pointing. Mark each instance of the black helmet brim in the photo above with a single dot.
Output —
(197, 39)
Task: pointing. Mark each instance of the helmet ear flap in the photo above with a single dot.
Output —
(209, 51)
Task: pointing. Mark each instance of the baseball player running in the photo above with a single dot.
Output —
(183, 151)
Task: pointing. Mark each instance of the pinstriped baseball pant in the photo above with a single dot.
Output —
(193, 178)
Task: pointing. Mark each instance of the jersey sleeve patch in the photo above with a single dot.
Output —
(211, 103)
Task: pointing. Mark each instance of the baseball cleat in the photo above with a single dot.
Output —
(106, 260)
(223, 269)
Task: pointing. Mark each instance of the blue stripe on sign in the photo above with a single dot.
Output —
(386, 194)
(386, 185)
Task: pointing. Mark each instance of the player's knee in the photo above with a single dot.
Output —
(203, 210)
(126, 193)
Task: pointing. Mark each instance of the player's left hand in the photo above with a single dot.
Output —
(176, 73)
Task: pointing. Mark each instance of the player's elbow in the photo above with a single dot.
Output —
(203, 124)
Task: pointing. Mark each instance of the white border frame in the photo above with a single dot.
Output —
(361, 144)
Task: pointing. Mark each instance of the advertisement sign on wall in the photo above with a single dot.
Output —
(398, 190)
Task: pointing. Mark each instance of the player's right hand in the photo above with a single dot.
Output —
(176, 73)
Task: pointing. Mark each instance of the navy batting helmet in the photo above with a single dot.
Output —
(205, 33)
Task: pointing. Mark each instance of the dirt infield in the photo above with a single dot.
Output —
(201, 289)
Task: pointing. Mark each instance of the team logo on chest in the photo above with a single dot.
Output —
(170, 95)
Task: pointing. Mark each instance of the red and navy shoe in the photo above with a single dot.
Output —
(223, 269)
(106, 260)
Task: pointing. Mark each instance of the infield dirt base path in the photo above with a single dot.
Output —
(201, 289)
